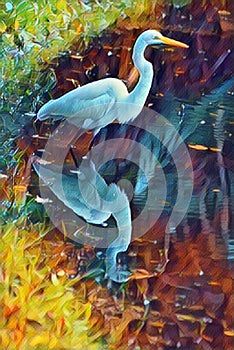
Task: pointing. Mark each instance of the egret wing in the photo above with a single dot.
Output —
(91, 106)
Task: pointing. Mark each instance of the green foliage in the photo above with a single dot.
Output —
(180, 3)
(42, 30)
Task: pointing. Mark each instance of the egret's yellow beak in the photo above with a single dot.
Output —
(171, 42)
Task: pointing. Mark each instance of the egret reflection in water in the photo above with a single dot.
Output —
(86, 193)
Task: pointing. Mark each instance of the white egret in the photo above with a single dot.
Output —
(99, 103)
(92, 107)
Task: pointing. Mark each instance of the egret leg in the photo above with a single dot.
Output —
(120, 244)
(114, 272)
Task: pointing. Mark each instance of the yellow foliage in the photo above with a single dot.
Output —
(16, 24)
(3, 27)
(39, 310)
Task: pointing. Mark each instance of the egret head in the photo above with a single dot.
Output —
(154, 38)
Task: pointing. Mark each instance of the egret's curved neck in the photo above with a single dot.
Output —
(145, 68)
